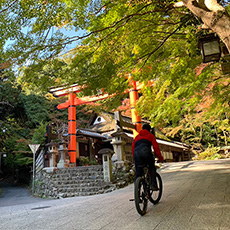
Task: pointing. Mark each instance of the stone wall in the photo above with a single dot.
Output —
(80, 181)
(125, 175)
(69, 182)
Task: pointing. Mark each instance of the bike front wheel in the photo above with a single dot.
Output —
(140, 195)
(155, 196)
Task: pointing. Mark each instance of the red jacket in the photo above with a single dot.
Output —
(145, 134)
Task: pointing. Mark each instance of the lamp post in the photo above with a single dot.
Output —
(2, 154)
(0, 161)
(210, 48)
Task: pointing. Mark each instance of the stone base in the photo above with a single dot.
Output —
(69, 165)
(50, 169)
(61, 164)
(119, 164)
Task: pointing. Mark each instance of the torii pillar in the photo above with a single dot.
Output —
(133, 97)
(72, 128)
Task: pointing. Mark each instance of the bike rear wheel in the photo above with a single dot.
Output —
(140, 195)
(155, 196)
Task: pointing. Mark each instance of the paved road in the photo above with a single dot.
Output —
(15, 195)
(196, 196)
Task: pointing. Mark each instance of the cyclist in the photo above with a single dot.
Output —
(142, 153)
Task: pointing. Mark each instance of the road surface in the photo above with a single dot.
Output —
(196, 196)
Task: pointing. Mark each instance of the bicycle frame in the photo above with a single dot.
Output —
(143, 193)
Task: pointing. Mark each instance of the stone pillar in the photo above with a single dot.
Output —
(52, 151)
(107, 163)
(118, 145)
(63, 154)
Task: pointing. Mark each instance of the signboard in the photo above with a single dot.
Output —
(34, 147)
(63, 91)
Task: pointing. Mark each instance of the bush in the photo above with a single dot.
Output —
(86, 161)
(93, 162)
(211, 153)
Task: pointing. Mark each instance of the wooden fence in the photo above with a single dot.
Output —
(39, 163)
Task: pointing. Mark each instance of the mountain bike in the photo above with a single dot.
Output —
(143, 192)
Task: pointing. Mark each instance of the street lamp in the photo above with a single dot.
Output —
(210, 48)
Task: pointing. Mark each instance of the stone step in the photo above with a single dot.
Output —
(68, 182)
(74, 171)
(79, 182)
(63, 185)
(81, 169)
(83, 189)
(77, 177)
(87, 174)
(71, 181)
(98, 184)
(92, 178)
(72, 194)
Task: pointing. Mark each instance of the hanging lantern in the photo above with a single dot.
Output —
(210, 48)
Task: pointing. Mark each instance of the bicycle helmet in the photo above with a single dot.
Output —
(147, 127)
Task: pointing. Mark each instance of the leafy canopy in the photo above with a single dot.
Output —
(117, 38)
(151, 40)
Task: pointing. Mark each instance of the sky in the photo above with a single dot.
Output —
(68, 33)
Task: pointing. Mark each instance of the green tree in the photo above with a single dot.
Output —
(39, 134)
(111, 32)
(151, 40)
(199, 118)
(36, 108)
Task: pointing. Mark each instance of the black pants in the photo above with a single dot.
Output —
(142, 157)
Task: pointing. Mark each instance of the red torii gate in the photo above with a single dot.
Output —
(73, 101)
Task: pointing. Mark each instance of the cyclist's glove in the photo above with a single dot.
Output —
(161, 159)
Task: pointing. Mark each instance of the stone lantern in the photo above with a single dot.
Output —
(52, 151)
(118, 145)
(63, 155)
(107, 163)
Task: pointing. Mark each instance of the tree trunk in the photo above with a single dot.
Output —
(201, 133)
(214, 16)
(225, 138)
(217, 137)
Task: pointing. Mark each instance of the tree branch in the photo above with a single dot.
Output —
(6, 103)
(213, 5)
(126, 19)
(178, 4)
(214, 16)
(158, 47)
(11, 4)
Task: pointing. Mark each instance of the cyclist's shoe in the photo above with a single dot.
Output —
(154, 188)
